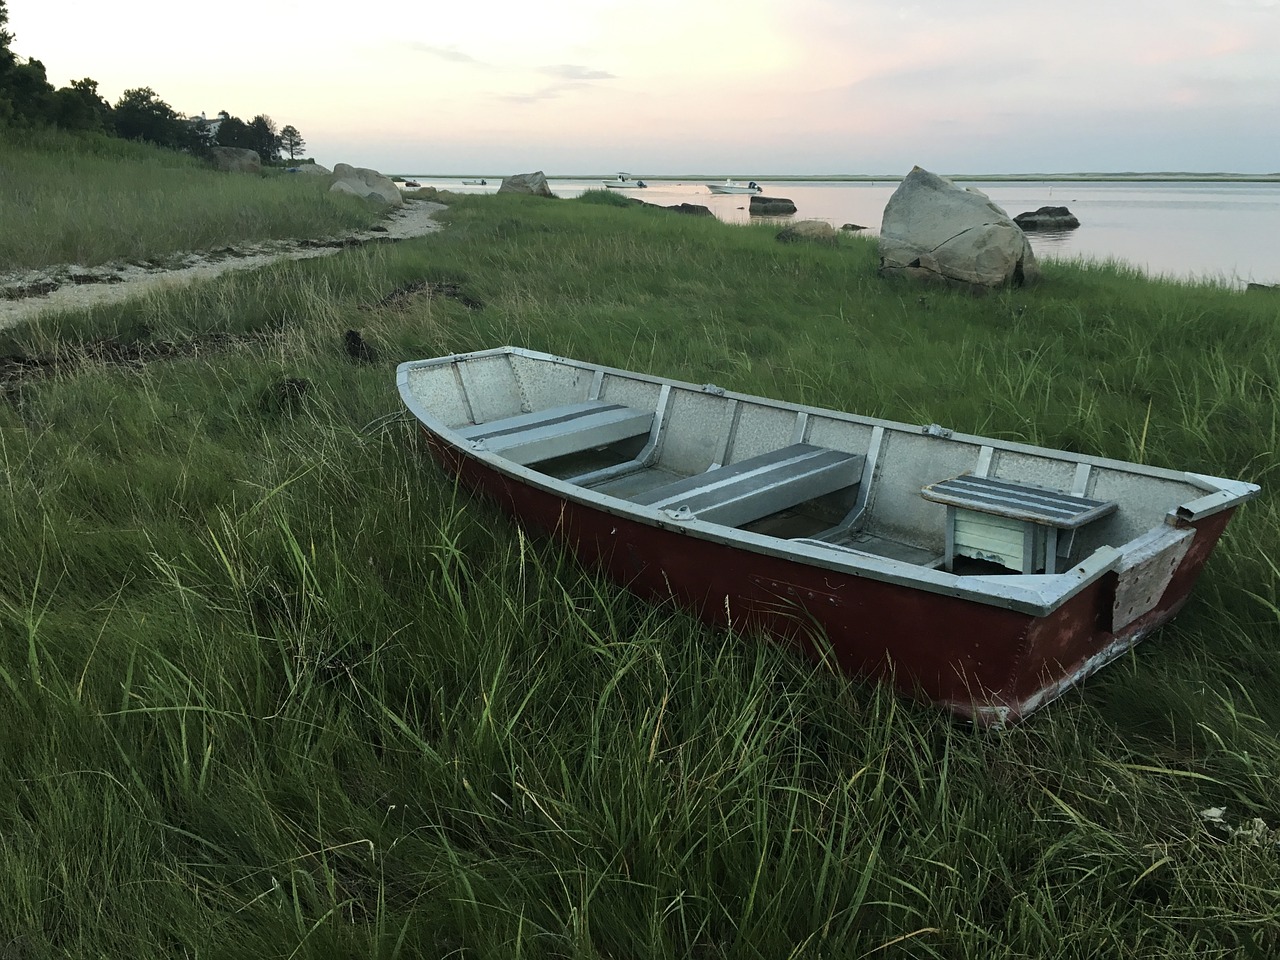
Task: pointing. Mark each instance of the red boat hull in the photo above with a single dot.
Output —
(980, 661)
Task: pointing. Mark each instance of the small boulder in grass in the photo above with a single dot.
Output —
(358, 349)
(812, 231)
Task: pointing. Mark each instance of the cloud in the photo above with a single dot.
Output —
(944, 77)
(570, 77)
(570, 71)
(546, 93)
(452, 54)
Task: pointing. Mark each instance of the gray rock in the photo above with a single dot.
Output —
(236, 160)
(853, 227)
(1262, 288)
(364, 182)
(533, 183)
(815, 231)
(1047, 218)
(312, 169)
(769, 206)
(692, 209)
(934, 230)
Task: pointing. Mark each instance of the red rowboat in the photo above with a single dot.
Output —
(982, 575)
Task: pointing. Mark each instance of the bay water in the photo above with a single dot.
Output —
(1225, 232)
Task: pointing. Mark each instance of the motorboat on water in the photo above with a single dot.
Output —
(732, 186)
(475, 183)
(624, 181)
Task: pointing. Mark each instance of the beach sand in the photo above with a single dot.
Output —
(29, 293)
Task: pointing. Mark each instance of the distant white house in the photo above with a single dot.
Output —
(210, 126)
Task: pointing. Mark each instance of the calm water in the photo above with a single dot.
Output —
(1222, 231)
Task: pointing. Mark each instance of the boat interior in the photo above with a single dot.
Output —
(918, 495)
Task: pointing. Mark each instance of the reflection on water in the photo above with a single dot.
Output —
(1218, 231)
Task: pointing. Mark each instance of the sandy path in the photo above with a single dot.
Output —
(26, 294)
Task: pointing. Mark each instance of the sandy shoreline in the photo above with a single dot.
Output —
(29, 293)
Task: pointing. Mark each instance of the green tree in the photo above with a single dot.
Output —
(27, 94)
(265, 139)
(6, 38)
(291, 141)
(141, 115)
(202, 136)
(80, 107)
(233, 132)
(26, 98)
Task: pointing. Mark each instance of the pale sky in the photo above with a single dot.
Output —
(751, 87)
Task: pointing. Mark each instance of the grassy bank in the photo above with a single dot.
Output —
(88, 200)
(271, 687)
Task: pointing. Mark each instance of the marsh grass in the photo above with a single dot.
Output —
(88, 200)
(271, 686)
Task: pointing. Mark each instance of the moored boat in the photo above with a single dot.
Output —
(980, 574)
(732, 186)
(624, 181)
(475, 183)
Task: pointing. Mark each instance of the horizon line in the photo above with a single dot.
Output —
(1168, 175)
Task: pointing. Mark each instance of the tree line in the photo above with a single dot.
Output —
(28, 100)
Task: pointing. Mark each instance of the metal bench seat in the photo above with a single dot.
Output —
(558, 431)
(759, 486)
(1012, 524)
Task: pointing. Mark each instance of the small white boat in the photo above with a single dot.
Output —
(732, 186)
(623, 181)
(474, 183)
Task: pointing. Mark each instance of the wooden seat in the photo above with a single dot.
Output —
(757, 487)
(558, 431)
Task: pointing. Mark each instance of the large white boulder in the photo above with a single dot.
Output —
(534, 183)
(363, 182)
(935, 230)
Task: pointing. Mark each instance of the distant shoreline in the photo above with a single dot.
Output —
(893, 178)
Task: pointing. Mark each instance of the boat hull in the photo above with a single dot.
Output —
(989, 664)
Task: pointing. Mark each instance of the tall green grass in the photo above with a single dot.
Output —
(270, 686)
(87, 200)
